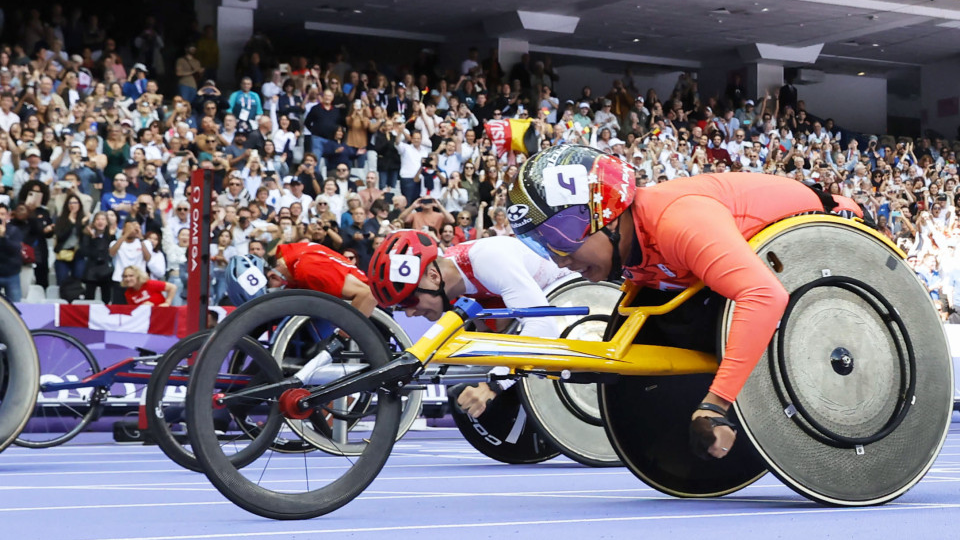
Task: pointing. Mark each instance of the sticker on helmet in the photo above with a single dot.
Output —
(404, 268)
(517, 212)
(564, 185)
(252, 280)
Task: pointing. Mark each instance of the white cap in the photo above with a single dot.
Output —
(583, 105)
(750, 102)
(615, 141)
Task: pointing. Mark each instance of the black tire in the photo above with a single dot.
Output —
(19, 376)
(159, 408)
(54, 420)
(253, 493)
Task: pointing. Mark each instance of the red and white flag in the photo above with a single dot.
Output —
(119, 318)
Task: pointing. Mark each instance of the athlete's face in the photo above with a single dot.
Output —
(427, 305)
(592, 260)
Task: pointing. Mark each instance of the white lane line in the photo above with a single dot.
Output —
(275, 459)
(110, 506)
(374, 495)
(447, 526)
(254, 470)
(380, 496)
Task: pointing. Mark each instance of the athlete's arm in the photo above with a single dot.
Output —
(359, 295)
(699, 233)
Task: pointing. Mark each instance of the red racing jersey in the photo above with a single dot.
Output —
(696, 228)
(318, 268)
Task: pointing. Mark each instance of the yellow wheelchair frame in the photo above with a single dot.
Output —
(446, 342)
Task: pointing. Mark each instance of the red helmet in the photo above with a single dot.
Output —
(398, 264)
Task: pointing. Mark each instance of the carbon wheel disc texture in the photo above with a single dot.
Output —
(504, 431)
(852, 401)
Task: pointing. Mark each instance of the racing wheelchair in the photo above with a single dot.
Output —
(19, 374)
(849, 406)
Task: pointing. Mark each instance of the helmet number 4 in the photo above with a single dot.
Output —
(566, 184)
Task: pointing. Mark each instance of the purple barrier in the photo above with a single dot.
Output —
(111, 347)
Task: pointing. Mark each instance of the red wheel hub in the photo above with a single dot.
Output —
(217, 404)
(290, 404)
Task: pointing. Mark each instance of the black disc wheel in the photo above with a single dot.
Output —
(285, 486)
(648, 418)
(19, 374)
(59, 415)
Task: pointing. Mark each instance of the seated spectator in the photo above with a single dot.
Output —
(716, 153)
(465, 229)
(345, 183)
(236, 193)
(140, 290)
(32, 169)
(500, 224)
(447, 236)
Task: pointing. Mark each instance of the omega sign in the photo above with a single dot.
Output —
(195, 196)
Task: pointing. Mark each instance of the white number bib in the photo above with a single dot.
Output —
(252, 280)
(566, 184)
(404, 268)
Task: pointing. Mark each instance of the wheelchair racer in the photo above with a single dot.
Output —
(302, 266)
(408, 270)
(668, 237)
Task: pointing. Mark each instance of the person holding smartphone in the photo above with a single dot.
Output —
(425, 212)
(129, 250)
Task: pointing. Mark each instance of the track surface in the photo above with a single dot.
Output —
(436, 486)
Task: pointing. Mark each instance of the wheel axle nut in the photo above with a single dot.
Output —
(290, 404)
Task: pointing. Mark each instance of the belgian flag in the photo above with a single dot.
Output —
(512, 134)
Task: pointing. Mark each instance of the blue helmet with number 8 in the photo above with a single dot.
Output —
(398, 264)
(245, 278)
(565, 193)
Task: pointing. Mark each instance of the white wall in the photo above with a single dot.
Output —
(940, 81)
(856, 103)
(234, 28)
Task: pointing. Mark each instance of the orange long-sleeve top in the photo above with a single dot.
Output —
(697, 228)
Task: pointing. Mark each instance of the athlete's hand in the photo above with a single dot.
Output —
(473, 400)
(725, 436)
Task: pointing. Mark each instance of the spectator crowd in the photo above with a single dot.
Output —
(99, 140)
